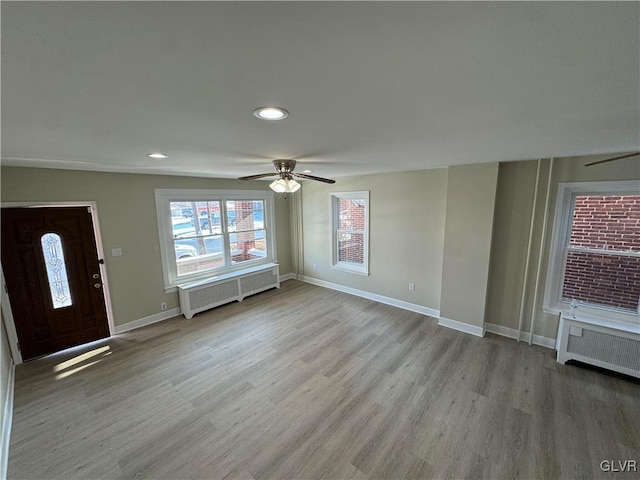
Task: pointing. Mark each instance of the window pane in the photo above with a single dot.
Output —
(602, 279)
(198, 240)
(349, 221)
(185, 223)
(56, 270)
(351, 247)
(197, 243)
(199, 254)
(352, 214)
(247, 246)
(610, 222)
(244, 215)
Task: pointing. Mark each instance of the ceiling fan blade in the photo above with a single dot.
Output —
(612, 159)
(311, 177)
(259, 175)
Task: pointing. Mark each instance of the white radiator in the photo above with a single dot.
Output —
(615, 348)
(199, 296)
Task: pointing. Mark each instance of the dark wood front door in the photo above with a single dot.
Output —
(52, 273)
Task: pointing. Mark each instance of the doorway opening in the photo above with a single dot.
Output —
(55, 291)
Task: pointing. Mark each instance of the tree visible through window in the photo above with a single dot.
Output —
(209, 232)
(197, 236)
(200, 228)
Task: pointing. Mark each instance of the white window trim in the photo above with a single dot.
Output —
(335, 219)
(164, 196)
(561, 229)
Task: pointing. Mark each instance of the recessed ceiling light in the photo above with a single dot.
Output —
(270, 113)
(307, 171)
(157, 155)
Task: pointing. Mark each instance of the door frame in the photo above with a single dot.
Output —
(6, 304)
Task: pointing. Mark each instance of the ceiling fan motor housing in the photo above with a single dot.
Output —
(284, 166)
(284, 169)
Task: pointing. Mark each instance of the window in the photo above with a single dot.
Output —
(56, 270)
(595, 257)
(350, 232)
(206, 232)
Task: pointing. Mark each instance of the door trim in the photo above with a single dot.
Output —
(9, 323)
(6, 307)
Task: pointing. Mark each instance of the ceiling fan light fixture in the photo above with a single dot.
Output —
(293, 186)
(271, 113)
(284, 185)
(278, 186)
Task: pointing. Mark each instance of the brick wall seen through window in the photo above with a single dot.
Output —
(602, 261)
(351, 231)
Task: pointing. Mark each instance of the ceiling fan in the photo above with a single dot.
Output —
(597, 162)
(286, 183)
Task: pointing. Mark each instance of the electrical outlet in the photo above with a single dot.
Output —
(163, 306)
(412, 286)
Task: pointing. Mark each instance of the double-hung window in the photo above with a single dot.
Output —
(594, 267)
(350, 232)
(204, 233)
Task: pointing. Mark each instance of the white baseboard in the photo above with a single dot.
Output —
(142, 322)
(374, 296)
(445, 322)
(513, 333)
(461, 326)
(158, 317)
(7, 419)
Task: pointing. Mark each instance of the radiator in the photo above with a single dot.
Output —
(202, 295)
(615, 348)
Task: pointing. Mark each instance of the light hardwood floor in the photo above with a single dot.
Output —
(305, 382)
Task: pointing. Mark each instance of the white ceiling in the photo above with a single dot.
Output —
(370, 87)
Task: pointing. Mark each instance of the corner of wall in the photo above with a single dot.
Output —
(470, 210)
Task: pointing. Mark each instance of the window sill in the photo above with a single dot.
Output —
(340, 268)
(613, 320)
(203, 279)
(612, 324)
(227, 276)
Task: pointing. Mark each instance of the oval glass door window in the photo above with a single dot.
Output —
(56, 270)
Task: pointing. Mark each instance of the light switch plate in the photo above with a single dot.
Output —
(116, 252)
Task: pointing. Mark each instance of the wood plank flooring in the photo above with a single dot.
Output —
(309, 383)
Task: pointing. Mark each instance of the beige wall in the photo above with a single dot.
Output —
(406, 225)
(127, 215)
(408, 213)
(514, 198)
(471, 191)
(511, 230)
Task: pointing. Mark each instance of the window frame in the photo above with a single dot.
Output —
(563, 220)
(164, 197)
(335, 264)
